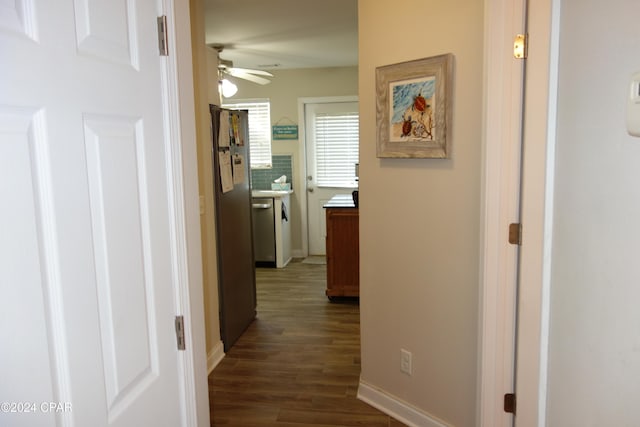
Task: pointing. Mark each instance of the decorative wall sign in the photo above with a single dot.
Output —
(413, 108)
(284, 132)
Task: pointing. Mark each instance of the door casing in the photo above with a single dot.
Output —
(302, 155)
(497, 321)
(501, 206)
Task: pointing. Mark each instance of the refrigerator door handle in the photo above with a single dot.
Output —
(261, 206)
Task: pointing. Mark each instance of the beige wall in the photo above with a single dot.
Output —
(284, 90)
(206, 91)
(420, 219)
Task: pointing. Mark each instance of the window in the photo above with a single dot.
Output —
(336, 148)
(259, 130)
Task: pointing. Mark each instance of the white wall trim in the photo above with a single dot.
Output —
(503, 82)
(536, 215)
(545, 298)
(396, 408)
(215, 356)
(537, 212)
(302, 183)
(178, 93)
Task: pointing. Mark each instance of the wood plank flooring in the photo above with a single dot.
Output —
(298, 364)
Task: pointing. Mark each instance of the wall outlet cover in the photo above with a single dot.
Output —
(405, 361)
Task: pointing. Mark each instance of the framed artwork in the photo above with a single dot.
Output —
(413, 108)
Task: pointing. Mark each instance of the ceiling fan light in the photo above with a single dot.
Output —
(228, 88)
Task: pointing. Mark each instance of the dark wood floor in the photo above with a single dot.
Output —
(298, 364)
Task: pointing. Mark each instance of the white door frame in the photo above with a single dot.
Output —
(497, 319)
(537, 210)
(302, 155)
(500, 203)
(180, 127)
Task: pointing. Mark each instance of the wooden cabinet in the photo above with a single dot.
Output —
(343, 254)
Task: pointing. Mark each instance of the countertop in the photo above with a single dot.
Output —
(340, 201)
(270, 193)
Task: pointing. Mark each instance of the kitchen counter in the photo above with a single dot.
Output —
(340, 201)
(270, 193)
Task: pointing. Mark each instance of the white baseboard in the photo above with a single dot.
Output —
(214, 356)
(396, 408)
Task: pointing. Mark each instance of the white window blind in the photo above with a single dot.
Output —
(259, 130)
(337, 140)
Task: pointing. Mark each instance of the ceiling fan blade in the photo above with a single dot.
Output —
(251, 71)
(247, 76)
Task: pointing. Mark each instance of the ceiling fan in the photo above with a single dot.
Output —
(225, 67)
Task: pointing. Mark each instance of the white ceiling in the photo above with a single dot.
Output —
(290, 33)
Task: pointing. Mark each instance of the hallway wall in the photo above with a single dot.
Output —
(420, 218)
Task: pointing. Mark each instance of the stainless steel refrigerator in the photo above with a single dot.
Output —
(232, 187)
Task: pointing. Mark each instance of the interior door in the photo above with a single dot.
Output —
(318, 194)
(87, 307)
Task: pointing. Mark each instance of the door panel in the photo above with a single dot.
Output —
(21, 247)
(18, 17)
(89, 288)
(123, 256)
(317, 222)
(318, 196)
(107, 30)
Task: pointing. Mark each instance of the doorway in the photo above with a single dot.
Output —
(331, 141)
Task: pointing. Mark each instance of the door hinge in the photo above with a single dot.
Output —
(180, 332)
(163, 42)
(515, 234)
(520, 46)
(510, 403)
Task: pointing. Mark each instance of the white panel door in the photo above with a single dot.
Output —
(87, 308)
(319, 195)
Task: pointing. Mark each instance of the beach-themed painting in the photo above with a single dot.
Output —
(413, 108)
(412, 105)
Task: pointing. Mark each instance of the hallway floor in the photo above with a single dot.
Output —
(298, 364)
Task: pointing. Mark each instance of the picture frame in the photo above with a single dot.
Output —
(414, 108)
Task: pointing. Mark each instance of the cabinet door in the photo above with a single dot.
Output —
(343, 255)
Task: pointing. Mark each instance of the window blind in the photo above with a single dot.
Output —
(337, 141)
(259, 131)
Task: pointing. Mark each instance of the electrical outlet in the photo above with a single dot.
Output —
(405, 361)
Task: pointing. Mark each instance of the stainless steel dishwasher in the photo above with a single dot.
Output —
(264, 233)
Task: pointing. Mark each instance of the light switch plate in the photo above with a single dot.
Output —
(633, 106)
